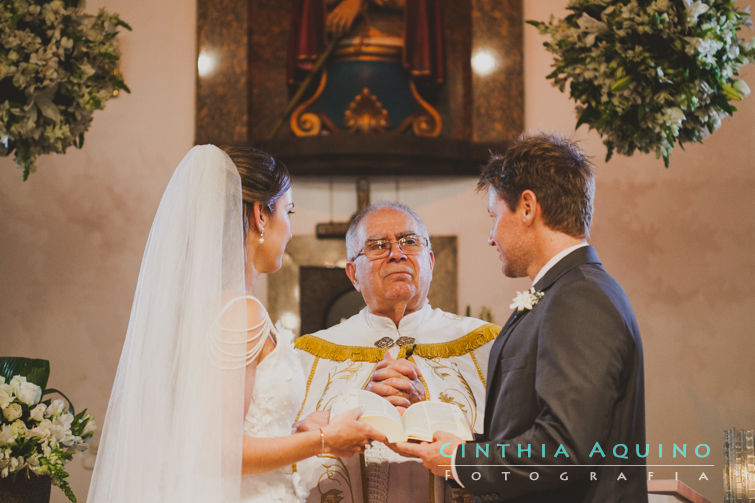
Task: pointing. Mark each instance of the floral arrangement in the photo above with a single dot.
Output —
(39, 436)
(57, 66)
(526, 300)
(649, 73)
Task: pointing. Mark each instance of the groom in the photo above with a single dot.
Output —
(565, 406)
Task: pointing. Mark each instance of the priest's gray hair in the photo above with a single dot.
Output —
(355, 237)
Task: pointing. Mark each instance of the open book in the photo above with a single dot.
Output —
(418, 422)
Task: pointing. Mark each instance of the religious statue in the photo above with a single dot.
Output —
(382, 50)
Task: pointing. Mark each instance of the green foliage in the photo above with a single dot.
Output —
(35, 370)
(647, 74)
(38, 436)
(57, 66)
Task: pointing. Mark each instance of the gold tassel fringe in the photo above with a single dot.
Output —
(458, 347)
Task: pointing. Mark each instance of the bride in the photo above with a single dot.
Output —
(207, 388)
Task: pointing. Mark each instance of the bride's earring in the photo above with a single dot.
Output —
(262, 236)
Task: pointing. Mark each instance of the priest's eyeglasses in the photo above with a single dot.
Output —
(375, 249)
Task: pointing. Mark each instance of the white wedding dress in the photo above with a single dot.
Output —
(173, 431)
(277, 394)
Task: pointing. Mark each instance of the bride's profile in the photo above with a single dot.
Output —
(207, 388)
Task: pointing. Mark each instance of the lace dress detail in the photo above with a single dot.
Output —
(279, 386)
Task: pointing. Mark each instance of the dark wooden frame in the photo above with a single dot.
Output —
(245, 96)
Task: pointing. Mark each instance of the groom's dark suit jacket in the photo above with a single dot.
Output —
(567, 373)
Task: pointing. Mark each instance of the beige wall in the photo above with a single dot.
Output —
(678, 239)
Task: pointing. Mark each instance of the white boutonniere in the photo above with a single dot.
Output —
(525, 301)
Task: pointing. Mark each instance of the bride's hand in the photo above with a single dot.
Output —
(313, 421)
(345, 436)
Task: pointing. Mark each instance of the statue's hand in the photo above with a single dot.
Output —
(341, 18)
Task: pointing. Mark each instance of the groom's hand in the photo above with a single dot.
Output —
(435, 455)
(313, 421)
(398, 381)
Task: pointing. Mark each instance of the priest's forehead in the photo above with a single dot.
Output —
(390, 223)
(357, 235)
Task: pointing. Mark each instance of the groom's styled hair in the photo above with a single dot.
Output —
(556, 170)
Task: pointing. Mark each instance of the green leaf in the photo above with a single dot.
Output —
(731, 93)
(541, 27)
(35, 370)
(622, 83)
(588, 116)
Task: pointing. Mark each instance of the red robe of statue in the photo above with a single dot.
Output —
(422, 54)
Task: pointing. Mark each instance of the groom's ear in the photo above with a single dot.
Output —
(527, 206)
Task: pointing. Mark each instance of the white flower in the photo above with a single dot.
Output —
(6, 395)
(592, 27)
(674, 116)
(29, 393)
(33, 460)
(55, 408)
(64, 421)
(90, 427)
(694, 10)
(16, 382)
(39, 469)
(38, 412)
(61, 428)
(18, 428)
(706, 49)
(525, 301)
(741, 87)
(12, 412)
(42, 431)
(6, 435)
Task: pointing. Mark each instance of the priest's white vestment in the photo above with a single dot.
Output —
(450, 351)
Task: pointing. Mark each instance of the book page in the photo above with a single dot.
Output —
(376, 411)
(422, 419)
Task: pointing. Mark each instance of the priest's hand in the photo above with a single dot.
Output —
(436, 456)
(398, 381)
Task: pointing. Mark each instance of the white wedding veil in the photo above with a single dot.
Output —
(174, 425)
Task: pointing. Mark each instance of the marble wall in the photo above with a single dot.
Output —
(496, 29)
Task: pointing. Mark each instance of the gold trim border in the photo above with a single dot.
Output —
(299, 112)
(458, 347)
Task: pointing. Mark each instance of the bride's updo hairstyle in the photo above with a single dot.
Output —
(263, 178)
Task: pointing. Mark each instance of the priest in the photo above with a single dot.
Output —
(398, 347)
